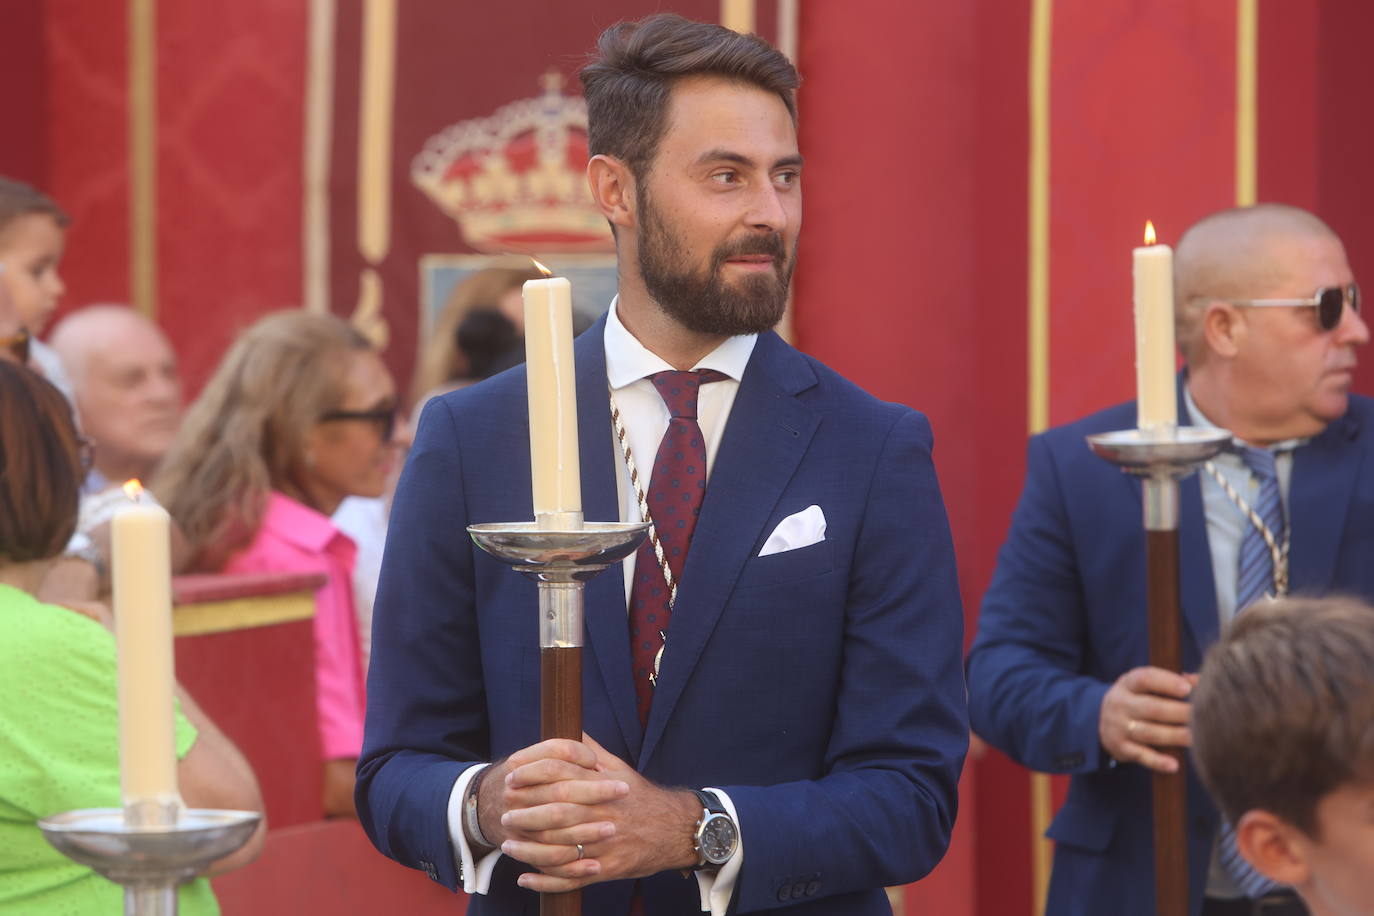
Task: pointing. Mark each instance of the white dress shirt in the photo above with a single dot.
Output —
(645, 417)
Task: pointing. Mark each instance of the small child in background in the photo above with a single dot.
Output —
(33, 234)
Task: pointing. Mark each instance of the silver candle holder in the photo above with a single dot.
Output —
(561, 561)
(1161, 457)
(150, 861)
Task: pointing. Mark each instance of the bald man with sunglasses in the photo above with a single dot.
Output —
(1269, 324)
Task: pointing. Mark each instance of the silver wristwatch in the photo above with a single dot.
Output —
(716, 837)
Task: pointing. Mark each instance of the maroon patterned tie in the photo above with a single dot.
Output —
(676, 489)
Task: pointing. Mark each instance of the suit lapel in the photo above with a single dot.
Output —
(767, 434)
(608, 633)
(1324, 473)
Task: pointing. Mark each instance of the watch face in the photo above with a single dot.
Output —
(718, 839)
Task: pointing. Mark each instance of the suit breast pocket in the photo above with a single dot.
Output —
(789, 566)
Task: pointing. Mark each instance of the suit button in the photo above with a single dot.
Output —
(784, 893)
(812, 888)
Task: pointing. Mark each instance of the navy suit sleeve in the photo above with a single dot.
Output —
(1028, 694)
(883, 812)
(426, 719)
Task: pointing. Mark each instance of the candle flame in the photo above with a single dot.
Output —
(1149, 232)
(133, 489)
(542, 269)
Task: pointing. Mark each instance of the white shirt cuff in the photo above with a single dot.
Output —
(476, 877)
(718, 886)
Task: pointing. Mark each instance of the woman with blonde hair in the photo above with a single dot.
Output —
(297, 416)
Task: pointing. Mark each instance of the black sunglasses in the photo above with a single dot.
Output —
(383, 417)
(1329, 300)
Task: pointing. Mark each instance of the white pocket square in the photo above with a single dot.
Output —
(801, 529)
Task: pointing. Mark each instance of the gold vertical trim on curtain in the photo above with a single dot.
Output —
(142, 127)
(1038, 349)
(1038, 230)
(788, 25)
(1247, 101)
(738, 15)
(375, 119)
(316, 150)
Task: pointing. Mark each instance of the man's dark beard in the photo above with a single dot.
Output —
(705, 303)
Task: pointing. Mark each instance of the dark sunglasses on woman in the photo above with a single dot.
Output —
(383, 417)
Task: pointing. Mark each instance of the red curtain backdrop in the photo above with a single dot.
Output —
(914, 261)
(87, 142)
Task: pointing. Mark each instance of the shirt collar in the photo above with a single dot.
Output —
(297, 523)
(1198, 418)
(628, 360)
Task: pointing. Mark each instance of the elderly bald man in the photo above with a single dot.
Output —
(126, 386)
(1269, 324)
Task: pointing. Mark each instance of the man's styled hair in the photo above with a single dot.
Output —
(18, 199)
(1283, 713)
(629, 81)
(40, 467)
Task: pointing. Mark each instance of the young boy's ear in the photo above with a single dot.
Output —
(1276, 848)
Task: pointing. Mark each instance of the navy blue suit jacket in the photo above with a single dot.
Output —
(1065, 616)
(822, 688)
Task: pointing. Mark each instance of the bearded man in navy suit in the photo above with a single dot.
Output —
(810, 701)
(1268, 321)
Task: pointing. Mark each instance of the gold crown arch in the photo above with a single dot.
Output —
(514, 182)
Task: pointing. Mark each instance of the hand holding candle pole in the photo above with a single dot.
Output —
(142, 581)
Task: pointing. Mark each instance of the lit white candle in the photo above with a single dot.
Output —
(1153, 275)
(555, 472)
(141, 571)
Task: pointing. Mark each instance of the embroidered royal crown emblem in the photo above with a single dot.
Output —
(515, 181)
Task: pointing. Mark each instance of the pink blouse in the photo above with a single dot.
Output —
(295, 538)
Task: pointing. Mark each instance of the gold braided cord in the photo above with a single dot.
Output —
(1278, 553)
(622, 437)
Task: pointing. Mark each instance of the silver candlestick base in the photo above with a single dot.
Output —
(579, 552)
(1162, 456)
(560, 561)
(149, 861)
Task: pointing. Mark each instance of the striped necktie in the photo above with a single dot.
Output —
(1254, 580)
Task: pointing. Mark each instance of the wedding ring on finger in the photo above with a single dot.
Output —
(579, 850)
(1131, 726)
